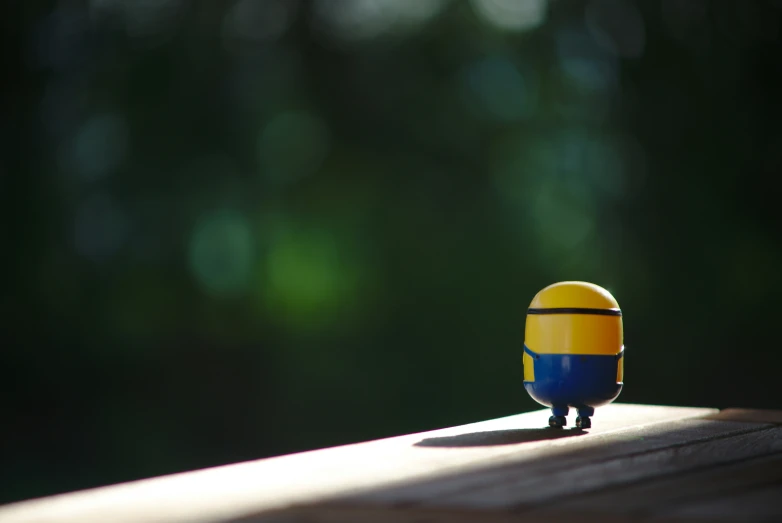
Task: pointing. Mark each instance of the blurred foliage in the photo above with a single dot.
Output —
(246, 228)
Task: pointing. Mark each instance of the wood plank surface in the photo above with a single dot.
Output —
(758, 504)
(509, 469)
(665, 494)
(584, 463)
(544, 486)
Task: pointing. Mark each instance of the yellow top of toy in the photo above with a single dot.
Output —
(574, 294)
(574, 317)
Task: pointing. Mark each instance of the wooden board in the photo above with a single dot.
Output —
(638, 462)
(667, 495)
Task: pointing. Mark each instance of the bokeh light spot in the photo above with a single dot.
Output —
(603, 163)
(496, 87)
(356, 20)
(617, 26)
(60, 39)
(512, 15)
(351, 19)
(252, 21)
(589, 75)
(62, 105)
(414, 12)
(222, 253)
(98, 147)
(563, 218)
(143, 18)
(554, 190)
(293, 145)
(586, 65)
(99, 228)
(310, 280)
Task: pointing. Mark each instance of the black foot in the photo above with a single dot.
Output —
(583, 422)
(557, 422)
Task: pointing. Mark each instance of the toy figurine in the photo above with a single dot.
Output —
(573, 350)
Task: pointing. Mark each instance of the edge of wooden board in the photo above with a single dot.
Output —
(748, 415)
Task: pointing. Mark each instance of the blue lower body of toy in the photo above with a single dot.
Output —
(573, 380)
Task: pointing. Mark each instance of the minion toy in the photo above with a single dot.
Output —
(573, 350)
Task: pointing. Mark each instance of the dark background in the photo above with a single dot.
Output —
(240, 229)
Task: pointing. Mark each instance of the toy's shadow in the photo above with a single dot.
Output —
(499, 437)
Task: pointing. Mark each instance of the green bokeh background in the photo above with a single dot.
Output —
(241, 229)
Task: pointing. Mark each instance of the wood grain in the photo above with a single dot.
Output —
(234, 491)
(517, 470)
(671, 472)
(358, 514)
(757, 504)
(355, 514)
(547, 487)
(666, 494)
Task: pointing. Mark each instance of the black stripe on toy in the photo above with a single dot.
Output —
(576, 310)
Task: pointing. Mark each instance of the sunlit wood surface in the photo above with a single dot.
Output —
(638, 463)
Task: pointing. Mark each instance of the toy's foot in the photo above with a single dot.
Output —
(557, 422)
(583, 422)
